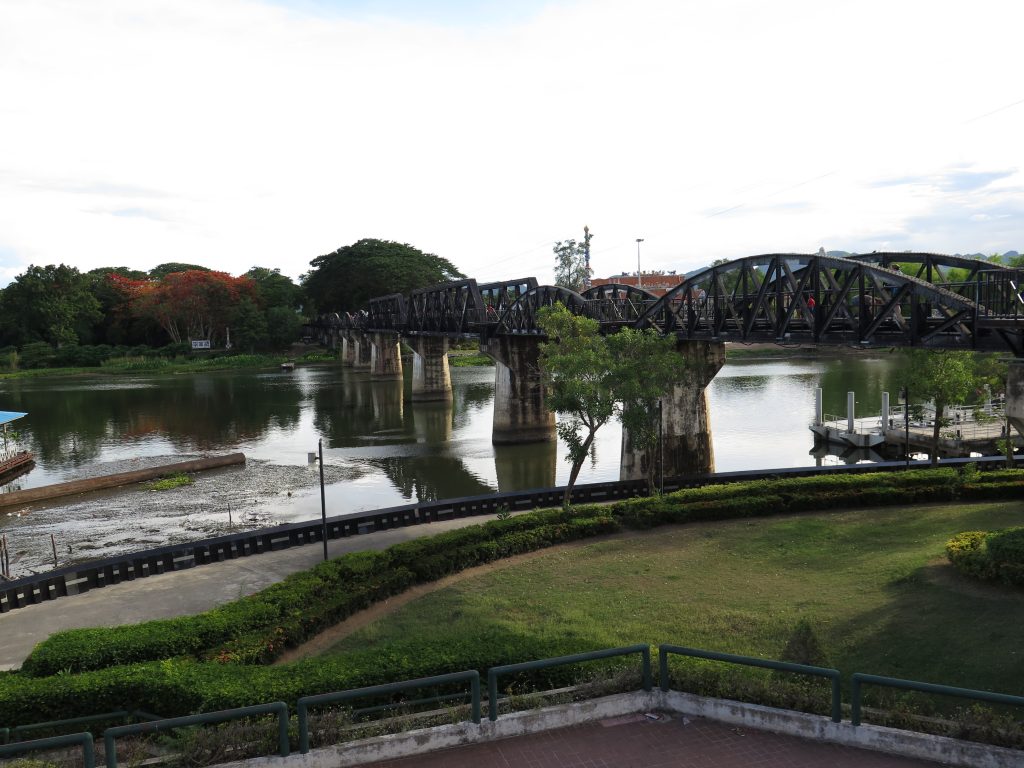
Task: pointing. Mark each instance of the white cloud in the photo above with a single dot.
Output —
(236, 132)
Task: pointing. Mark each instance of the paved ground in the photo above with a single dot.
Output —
(183, 593)
(635, 742)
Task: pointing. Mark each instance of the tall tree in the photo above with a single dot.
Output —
(647, 366)
(570, 264)
(279, 301)
(947, 377)
(117, 325)
(593, 377)
(347, 278)
(51, 304)
(275, 289)
(160, 271)
(578, 369)
(196, 304)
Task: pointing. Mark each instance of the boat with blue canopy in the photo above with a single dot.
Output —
(13, 461)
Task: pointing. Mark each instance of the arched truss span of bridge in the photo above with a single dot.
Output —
(882, 299)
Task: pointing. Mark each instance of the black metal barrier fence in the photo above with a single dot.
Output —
(80, 578)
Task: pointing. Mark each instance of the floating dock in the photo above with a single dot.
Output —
(968, 430)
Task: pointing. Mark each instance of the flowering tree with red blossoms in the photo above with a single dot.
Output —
(195, 304)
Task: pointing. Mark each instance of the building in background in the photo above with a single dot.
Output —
(657, 282)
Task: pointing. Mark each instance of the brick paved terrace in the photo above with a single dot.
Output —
(673, 741)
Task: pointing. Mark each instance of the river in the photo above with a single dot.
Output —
(380, 449)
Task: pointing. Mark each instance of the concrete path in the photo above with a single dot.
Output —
(187, 592)
(635, 742)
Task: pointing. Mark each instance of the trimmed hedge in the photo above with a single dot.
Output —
(212, 661)
(995, 556)
(257, 629)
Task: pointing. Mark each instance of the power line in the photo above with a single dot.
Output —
(993, 112)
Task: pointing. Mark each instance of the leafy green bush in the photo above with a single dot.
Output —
(991, 556)
(38, 354)
(1007, 546)
(258, 628)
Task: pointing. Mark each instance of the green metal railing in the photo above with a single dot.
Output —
(665, 650)
(278, 708)
(859, 679)
(55, 742)
(526, 666)
(16, 733)
(306, 702)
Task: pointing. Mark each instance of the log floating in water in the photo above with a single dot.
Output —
(113, 481)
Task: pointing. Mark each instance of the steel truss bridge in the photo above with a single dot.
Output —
(882, 299)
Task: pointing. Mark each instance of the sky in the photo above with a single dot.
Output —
(241, 133)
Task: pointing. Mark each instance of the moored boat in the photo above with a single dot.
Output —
(13, 462)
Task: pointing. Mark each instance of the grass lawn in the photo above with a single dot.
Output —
(875, 585)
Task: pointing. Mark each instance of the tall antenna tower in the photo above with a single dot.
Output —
(586, 257)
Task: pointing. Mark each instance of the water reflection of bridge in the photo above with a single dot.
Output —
(881, 299)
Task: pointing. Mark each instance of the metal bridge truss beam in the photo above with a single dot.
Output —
(450, 309)
(387, 313)
(777, 298)
(793, 297)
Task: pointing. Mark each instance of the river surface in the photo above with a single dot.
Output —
(380, 449)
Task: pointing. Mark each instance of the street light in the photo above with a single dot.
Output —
(323, 503)
(639, 274)
(906, 421)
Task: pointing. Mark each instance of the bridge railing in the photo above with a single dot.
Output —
(1001, 293)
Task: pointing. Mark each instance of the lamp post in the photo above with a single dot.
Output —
(319, 456)
(639, 274)
(906, 422)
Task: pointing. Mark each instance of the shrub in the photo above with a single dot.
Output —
(258, 628)
(991, 556)
(803, 646)
(38, 354)
(1007, 546)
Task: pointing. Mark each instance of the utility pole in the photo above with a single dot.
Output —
(586, 257)
(639, 274)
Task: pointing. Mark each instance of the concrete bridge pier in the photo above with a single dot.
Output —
(520, 413)
(363, 351)
(1015, 394)
(386, 356)
(686, 431)
(348, 349)
(431, 378)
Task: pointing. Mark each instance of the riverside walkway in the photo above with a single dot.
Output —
(186, 592)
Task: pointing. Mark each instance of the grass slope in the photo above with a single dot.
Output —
(874, 584)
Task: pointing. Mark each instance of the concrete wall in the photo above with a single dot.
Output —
(890, 740)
